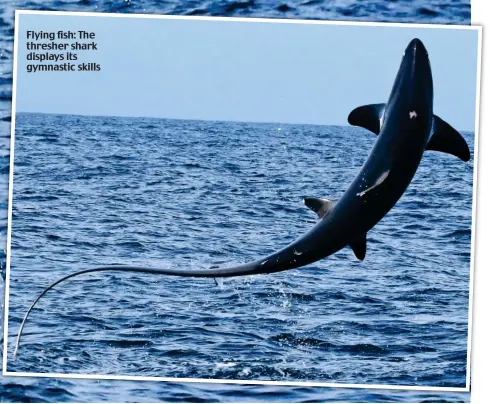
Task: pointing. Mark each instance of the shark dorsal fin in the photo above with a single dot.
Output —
(369, 117)
(359, 246)
(448, 140)
(321, 206)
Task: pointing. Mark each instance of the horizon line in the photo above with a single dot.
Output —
(203, 120)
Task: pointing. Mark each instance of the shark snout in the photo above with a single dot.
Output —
(417, 67)
(416, 48)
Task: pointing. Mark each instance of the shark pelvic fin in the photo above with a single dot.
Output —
(321, 206)
(369, 117)
(359, 247)
(378, 182)
(448, 140)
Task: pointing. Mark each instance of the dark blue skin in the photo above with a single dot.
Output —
(399, 149)
(406, 127)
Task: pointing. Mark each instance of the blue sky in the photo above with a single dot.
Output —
(243, 71)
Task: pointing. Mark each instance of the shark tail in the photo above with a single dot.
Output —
(263, 266)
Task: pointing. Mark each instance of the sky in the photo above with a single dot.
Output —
(243, 71)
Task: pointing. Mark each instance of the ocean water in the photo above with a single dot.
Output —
(29, 389)
(102, 190)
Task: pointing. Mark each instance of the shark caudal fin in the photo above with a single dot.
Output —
(253, 268)
(369, 117)
(448, 140)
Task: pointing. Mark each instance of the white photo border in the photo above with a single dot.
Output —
(473, 258)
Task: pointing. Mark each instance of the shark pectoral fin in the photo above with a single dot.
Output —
(359, 247)
(368, 116)
(378, 182)
(448, 140)
(321, 206)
